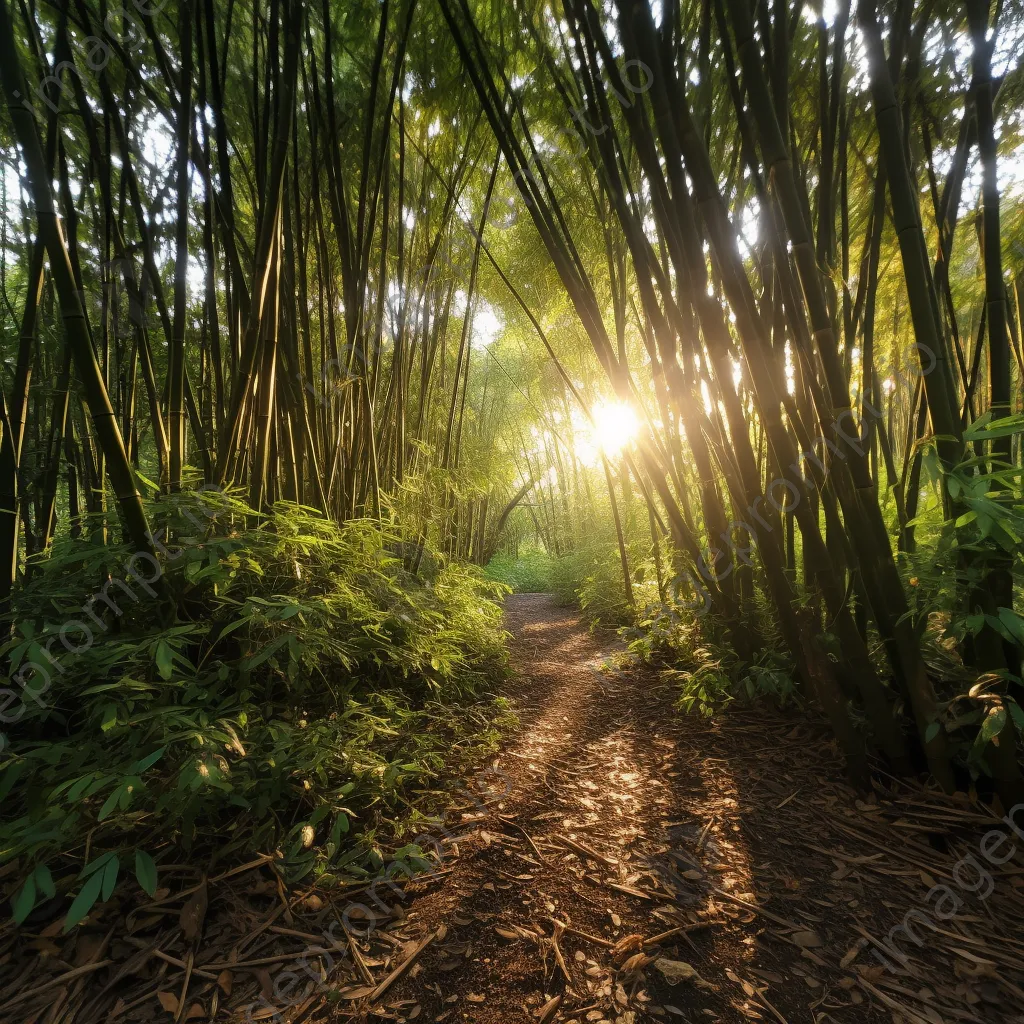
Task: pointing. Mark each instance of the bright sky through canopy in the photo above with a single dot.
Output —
(615, 425)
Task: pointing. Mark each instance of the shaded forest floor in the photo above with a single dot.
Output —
(617, 862)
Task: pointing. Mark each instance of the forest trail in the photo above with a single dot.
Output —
(612, 846)
(614, 834)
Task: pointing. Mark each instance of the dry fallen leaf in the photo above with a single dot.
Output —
(549, 1009)
(88, 949)
(870, 972)
(627, 944)
(852, 953)
(807, 939)
(675, 971)
(356, 992)
(637, 962)
(194, 913)
(169, 1001)
(266, 982)
(224, 980)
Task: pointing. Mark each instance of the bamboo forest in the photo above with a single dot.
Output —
(512, 511)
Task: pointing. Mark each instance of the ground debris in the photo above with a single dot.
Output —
(639, 866)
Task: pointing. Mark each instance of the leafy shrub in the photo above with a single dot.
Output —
(591, 577)
(263, 684)
(600, 589)
(697, 654)
(705, 689)
(527, 573)
(566, 575)
(717, 678)
(951, 600)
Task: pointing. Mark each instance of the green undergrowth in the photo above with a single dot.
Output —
(697, 657)
(274, 683)
(591, 578)
(526, 573)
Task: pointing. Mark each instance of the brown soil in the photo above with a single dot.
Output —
(734, 845)
(617, 862)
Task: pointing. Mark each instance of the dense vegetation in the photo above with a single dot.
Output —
(705, 316)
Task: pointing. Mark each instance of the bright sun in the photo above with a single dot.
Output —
(614, 427)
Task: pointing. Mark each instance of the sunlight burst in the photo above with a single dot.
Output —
(615, 425)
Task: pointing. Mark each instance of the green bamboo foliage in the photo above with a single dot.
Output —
(73, 315)
(395, 260)
(650, 167)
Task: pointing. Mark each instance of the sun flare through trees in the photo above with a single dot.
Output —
(327, 327)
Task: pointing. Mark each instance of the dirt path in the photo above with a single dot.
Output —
(619, 835)
(617, 862)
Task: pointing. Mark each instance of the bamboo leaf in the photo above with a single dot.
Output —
(84, 901)
(993, 724)
(110, 877)
(146, 871)
(984, 430)
(25, 900)
(1012, 623)
(164, 660)
(1017, 714)
(44, 881)
(147, 762)
(110, 804)
(94, 866)
(109, 718)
